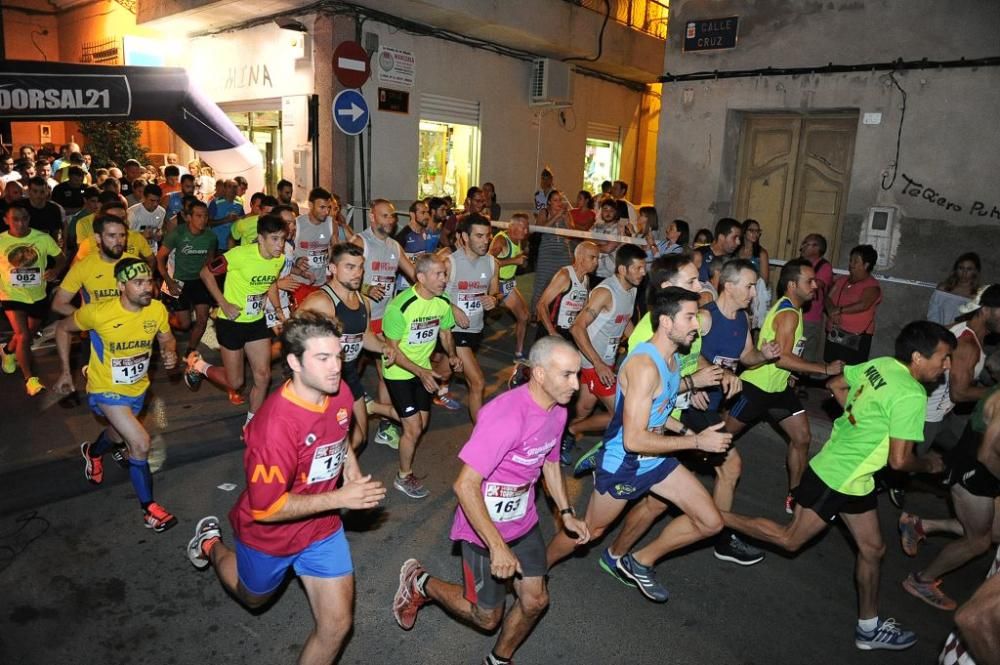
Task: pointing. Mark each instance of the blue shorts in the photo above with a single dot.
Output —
(626, 482)
(260, 573)
(95, 400)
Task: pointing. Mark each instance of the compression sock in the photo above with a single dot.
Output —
(142, 480)
(101, 445)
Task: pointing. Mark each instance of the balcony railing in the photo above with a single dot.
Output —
(649, 16)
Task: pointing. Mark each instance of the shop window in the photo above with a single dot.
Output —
(263, 129)
(449, 159)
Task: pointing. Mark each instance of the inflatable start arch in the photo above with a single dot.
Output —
(31, 90)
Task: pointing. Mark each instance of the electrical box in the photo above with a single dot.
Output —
(551, 83)
(881, 231)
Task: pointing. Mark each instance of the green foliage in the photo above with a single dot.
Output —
(113, 141)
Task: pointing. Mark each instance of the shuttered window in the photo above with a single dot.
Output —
(439, 108)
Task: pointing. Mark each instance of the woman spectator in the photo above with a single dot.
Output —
(583, 214)
(554, 251)
(491, 200)
(701, 238)
(850, 308)
(751, 250)
(961, 286)
(660, 242)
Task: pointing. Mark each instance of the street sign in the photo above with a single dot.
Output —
(350, 112)
(351, 65)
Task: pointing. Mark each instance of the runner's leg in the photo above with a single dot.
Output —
(867, 535)
(259, 355)
(20, 343)
(791, 537)
(515, 303)
(602, 510)
(413, 428)
(474, 378)
(975, 514)
(128, 427)
(637, 522)
(532, 599)
(797, 429)
(198, 326)
(332, 602)
(700, 520)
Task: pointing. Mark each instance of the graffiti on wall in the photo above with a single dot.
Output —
(918, 190)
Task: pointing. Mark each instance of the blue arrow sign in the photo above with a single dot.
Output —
(350, 112)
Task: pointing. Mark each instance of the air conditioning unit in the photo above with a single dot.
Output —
(551, 83)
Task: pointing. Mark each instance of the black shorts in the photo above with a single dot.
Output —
(467, 339)
(194, 293)
(816, 495)
(234, 335)
(349, 375)
(484, 590)
(34, 310)
(408, 396)
(752, 404)
(975, 477)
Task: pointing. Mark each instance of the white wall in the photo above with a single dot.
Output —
(510, 134)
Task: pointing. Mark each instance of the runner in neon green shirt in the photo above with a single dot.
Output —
(413, 322)
(884, 404)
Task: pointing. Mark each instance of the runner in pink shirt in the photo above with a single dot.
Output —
(515, 441)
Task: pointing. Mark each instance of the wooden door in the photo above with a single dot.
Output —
(793, 176)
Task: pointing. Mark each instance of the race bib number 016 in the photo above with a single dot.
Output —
(506, 503)
(126, 371)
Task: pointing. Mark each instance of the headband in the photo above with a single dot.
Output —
(133, 270)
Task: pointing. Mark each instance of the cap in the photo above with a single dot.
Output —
(988, 296)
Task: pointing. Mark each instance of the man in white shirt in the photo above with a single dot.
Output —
(146, 217)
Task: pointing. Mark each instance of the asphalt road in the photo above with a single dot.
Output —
(81, 581)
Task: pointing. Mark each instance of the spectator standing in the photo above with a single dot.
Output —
(850, 307)
(812, 250)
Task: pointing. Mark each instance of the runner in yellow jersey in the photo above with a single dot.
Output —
(241, 328)
(506, 248)
(766, 389)
(94, 277)
(24, 254)
(122, 331)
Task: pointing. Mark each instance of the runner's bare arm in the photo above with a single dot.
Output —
(754, 357)
(599, 301)
(989, 448)
(406, 267)
(557, 490)
(53, 272)
(357, 494)
(902, 458)
(62, 303)
(784, 334)
(318, 302)
(63, 333)
(559, 283)
(402, 361)
(468, 489)
(838, 386)
(962, 383)
(168, 349)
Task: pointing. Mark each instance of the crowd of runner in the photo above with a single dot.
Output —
(667, 349)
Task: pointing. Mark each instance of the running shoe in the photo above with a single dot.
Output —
(790, 504)
(588, 460)
(119, 453)
(929, 592)
(206, 529)
(236, 399)
(369, 404)
(609, 564)
(192, 377)
(520, 358)
(888, 635)
(897, 496)
(93, 469)
(388, 434)
(408, 600)
(410, 486)
(448, 402)
(33, 386)
(9, 361)
(157, 518)
(911, 532)
(566, 448)
(644, 577)
(735, 550)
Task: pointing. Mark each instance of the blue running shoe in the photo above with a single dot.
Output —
(609, 564)
(566, 448)
(889, 635)
(588, 460)
(644, 578)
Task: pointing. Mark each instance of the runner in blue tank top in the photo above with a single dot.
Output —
(637, 460)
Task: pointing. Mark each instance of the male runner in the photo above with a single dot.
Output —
(297, 451)
(414, 321)
(251, 272)
(193, 246)
(244, 230)
(728, 235)
(506, 248)
(728, 345)
(413, 238)
(975, 488)
(314, 238)
(766, 389)
(93, 278)
(340, 298)
(473, 289)
(598, 330)
(884, 401)
(564, 297)
(121, 342)
(24, 253)
(515, 441)
(147, 217)
(637, 460)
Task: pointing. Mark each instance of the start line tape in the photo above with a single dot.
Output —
(573, 233)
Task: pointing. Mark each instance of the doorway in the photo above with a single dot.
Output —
(793, 176)
(448, 159)
(263, 130)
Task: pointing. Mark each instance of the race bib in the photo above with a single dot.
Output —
(570, 308)
(726, 362)
(506, 503)
(126, 371)
(470, 303)
(351, 344)
(271, 317)
(326, 462)
(318, 259)
(612, 350)
(422, 332)
(799, 347)
(23, 278)
(255, 304)
(507, 287)
(388, 284)
(683, 400)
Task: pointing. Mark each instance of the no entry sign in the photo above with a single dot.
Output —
(350, 64)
